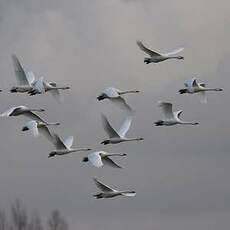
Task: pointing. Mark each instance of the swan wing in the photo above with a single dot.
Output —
(146, 50)
(33, 116)
(166, 109)
(203, 97)
(30, 77)
(19, 71)
(125, 126)
(177, 114)
(8, 112)
(121, 103)
(111, 92)
(56, 95)
(173, 52)
(103, 187)
(108, 128)
(68, 142)
(58, 143)
(44, 130)
(108, 161)
(38, 85)
(33, 127)
(95, 159)
(191, 83)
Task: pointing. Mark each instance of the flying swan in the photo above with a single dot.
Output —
(101, 158)
(156, 57)
(28, 84)
(27, 112)
(61, 147)
(108, 192)
(117, 137)
(192, 86)
(171, 118)
(115, 96)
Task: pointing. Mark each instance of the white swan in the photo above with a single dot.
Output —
(108, 192)
(64, 147)
(114, 95)
(101, 158)
(38, 127)
(28, 84)
(117, 137)
(192, 86)
(159, 57)
(61, 147)
(171, 118)
(27, 112)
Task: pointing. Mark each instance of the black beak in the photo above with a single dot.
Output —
(25, 128)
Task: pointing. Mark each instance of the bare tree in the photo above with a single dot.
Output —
(35, 222)
(3, 221)
(19, 216)
(57, 221)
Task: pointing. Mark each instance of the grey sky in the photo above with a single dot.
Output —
(181, 174)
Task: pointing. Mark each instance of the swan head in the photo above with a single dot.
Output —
(14, 90)
(52, 154)
(182, 91)
(140, 139)
(101, 97)
(147, 60)
(180, 57)
(195, 123)
(105, 142)
(159, 123)
(25, 128)
(85, 159)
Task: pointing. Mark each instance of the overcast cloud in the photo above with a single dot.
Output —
(181, 174)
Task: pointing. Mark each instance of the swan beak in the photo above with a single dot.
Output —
(25, 128)
(99, 98)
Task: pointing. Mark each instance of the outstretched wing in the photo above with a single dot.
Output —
(174, 52)
(68, 142)
(30, 77)
(125, 126)
(203, 97)
(166, 109)
(44, 130)
(95, 159)
(108, 128)
(108, 161)
(33, 116)
(111, 92)
(38, 86)
(103, 187)
(33, 127)
(177, 114)
(19, 71)
(56, 95)
(146, 50)
(191, 83)
(58, 143)
(121, 103)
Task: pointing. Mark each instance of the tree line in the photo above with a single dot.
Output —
(20, 219)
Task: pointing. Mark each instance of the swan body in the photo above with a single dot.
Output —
(117, 137)
(171, 118)
(25, 111)
(108, 192)
(28, 84)
(115, 96)
(156, 57)
(101, 158)
(192, 86)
